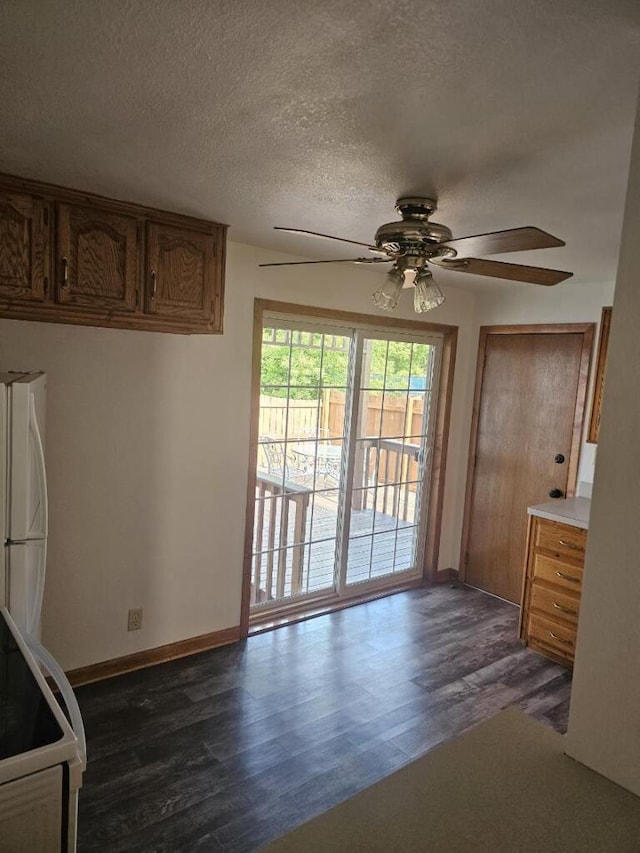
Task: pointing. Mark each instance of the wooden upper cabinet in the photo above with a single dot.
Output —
(181, 273)
(24, 247)
(73, 257)
(97, 263)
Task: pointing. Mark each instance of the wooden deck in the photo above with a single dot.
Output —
(296, 515)
(370, 556)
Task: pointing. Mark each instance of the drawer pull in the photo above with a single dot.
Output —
(560, 639)
(568, 577)
(564, 609)
(64, 263)
(571, 545)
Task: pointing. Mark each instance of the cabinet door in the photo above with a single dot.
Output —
(181, 273)
(24, 247)
(98, 261)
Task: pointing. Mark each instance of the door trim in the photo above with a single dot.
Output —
(441, 437)
(587, 331)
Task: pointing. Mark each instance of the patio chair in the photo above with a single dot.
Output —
(274, 456)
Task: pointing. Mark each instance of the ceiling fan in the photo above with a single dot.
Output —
(412, 243)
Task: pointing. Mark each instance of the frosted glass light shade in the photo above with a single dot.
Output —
(388, 296)
(426, 295)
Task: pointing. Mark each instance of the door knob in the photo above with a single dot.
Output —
(559, 458)
(556, 493)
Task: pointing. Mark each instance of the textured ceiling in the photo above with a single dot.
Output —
(319, 114)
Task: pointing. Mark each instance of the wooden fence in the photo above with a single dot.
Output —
(304, 418)
(390, 417)
(402, 416)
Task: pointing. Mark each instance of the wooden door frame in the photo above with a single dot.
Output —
(441, 437)
(587, 331)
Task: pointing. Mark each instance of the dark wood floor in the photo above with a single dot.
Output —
(231, 748)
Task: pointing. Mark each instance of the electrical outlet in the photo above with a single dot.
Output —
(135, 619)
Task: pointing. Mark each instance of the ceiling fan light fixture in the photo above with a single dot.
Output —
(388, 296)
(426, 294)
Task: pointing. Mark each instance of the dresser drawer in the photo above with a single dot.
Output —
(562, 539)
(556, 603)
(565, 575)
(554, 635)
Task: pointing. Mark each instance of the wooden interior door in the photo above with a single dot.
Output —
(528, 415)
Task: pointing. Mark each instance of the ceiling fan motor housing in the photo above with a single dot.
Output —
(413, 235)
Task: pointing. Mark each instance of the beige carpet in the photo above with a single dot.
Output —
(506, 785)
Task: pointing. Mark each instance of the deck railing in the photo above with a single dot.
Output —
(393, 466)
(282, 506)
(286, 502)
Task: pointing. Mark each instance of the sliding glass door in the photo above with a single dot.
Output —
(391, 438)
(346, 422)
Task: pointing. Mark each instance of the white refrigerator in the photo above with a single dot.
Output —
(23, 533)
(23, 498)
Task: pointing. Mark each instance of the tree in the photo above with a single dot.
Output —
(301, 367)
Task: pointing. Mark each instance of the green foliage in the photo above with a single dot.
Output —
(309, 369)
(398, 358)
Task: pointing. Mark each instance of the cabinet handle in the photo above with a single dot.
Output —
(571, 545)
(560, 639)
(65, 271)
(154, 284)
(568, 577)
(564, 609)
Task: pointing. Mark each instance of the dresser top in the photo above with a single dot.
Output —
(574, 511)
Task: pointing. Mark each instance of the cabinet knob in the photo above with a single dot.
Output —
(559, 458)
(556, 493)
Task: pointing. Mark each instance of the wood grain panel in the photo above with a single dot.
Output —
(559, 572)
(555, 635)
(181, 279)
(552, 588)
(601, 368)
(554, 603)
(529, 407)
(97, 261)
(562, 540)
(98, 275)
(24, 247)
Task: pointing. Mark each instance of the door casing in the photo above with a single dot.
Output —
(441, 433)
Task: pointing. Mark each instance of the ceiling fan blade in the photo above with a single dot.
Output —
(497, 242)
(512, 272)
(326, 237)
(334, 261)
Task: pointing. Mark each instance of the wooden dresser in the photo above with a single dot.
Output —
(552, 587)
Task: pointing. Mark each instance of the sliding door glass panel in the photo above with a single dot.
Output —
(303, 388)
(393, 431)
(345, 432)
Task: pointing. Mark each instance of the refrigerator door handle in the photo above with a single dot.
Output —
(56, 672)
(36, 615)
(42, 471)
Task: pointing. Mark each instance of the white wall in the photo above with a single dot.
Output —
(147, 439)
(147, 452)
(604, 724)
(569, 302)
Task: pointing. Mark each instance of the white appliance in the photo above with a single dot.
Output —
(23, 531)
(23, 497)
